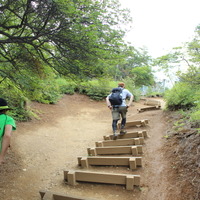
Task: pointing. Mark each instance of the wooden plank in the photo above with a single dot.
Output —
(116, 150)
(135, 123)
(149, 108)
(107, 178)
(58, 196)
(152, 102)
(131, 134)
(71, 178)
(132, 162)
(121, 142)
(48, 196)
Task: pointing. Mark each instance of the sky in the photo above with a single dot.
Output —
(160, 25)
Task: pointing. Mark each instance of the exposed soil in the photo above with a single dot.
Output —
(42, 149)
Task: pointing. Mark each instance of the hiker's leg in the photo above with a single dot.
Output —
(123, 123)
(114, 125)
(115, 117)
(123, 111)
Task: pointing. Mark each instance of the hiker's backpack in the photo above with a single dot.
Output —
(116, 96)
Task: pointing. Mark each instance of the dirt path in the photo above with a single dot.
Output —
(42, 149)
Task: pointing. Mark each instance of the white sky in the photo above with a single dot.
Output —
(160, 25)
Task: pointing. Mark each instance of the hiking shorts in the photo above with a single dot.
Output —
(117, 112)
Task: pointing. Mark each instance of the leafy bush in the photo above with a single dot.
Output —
(181, 96)
(22, 114)
(47, 92)
(95, 89)
(50, 89)
(97, 92)
(16, 100)
(66, 86)
(99, 89)
(195, 114)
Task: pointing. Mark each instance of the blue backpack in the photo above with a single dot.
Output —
(116, 96)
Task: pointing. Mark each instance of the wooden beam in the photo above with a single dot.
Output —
(56, 196)
(108, 178)
(134, 150)
(149, 108)
(132, 162)
(131, 134)
(121, 142)
(136, 123)
(152, 102)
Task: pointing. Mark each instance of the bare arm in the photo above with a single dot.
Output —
(5, 142)
(108, 103)
(130, 101)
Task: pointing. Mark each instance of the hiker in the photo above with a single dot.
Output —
(120, 109)
(7, 125)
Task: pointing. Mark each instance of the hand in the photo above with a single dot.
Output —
(110, 107)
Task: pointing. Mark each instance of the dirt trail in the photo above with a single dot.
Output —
(42, 149)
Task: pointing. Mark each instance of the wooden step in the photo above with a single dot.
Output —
(152, 102)
(136, 123)
(132, 134)
(131, 162)
(121, 142)
(149, 108)
(134, 150)
(47, 195)
(72, 177)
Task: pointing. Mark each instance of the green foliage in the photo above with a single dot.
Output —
(16, 100)
(193, 48)
(192, 76)
(181, 96)
(66, 86)
(185, 94)
(195, 112)
(72, 37)
(95, 89)
(143, 76)
(97, 92)
(50, 90)
(22, 114)
(136, 65)
(46, 91)
(42, 41)
(195, 116)
(99, 89)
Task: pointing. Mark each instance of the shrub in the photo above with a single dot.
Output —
(95, 89)
(195, 114)
(99, 89)
(47, 92)
(66, 86)
(181, 96)
(16, 100)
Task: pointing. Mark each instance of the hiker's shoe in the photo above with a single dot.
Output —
(114, 136)
(122, 132)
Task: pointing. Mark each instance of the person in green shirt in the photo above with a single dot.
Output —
(7, 125)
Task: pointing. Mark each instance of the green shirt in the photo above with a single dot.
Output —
(5, 120)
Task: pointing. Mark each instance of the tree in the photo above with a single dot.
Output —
(72, 37)
(136, 65)
(143, 76)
